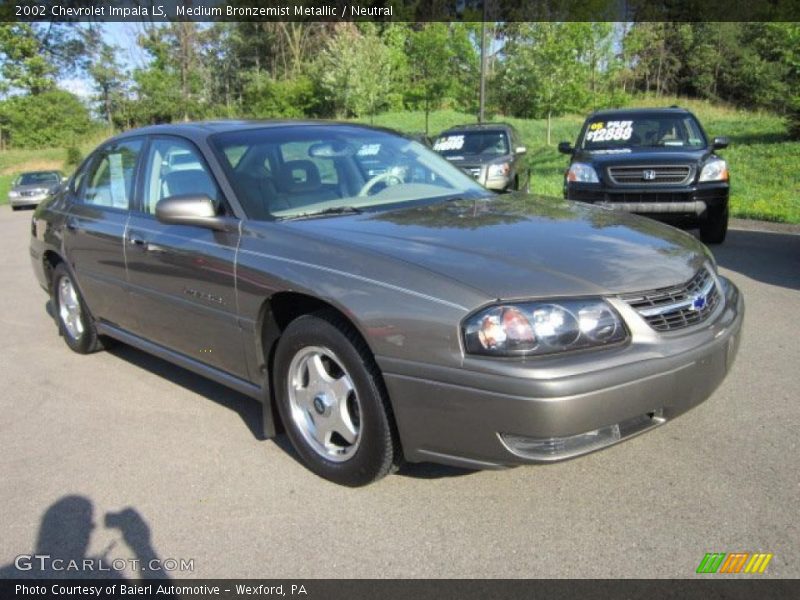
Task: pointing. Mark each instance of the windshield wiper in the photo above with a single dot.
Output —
(333, 210)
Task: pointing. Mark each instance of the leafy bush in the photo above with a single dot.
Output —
(47, 119)
(74, 156)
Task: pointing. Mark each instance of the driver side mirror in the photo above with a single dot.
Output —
(719, 143)
(565, 148)
(190, 209)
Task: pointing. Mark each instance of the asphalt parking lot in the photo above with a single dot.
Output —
(83, 436)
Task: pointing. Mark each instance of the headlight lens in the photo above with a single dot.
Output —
(583, 173)
(714, 170)
(535, 328)
(13, 194)
(501, 170)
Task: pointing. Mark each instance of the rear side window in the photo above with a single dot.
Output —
(109, 180)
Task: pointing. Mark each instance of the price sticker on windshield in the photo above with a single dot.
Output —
(610, 131)
(451, 142)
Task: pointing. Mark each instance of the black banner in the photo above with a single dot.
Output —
(399, 10)
(327, 589)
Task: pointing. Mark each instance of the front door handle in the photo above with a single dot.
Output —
(137, 241)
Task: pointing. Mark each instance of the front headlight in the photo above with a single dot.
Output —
(583, 173)
(535, 328)
(714, 170)
(13, 194)
(501, 170)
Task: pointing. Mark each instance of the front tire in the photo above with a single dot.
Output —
(332, 401)
(75, 323)
(714, 226)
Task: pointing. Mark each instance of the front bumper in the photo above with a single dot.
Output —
(19, 201)
(474, 419)
(692, 200)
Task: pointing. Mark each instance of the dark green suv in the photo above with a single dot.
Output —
(491, 152)
(653, 161)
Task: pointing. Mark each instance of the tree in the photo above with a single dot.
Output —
(107, 74)
(52, 118)
(544, 74)
(32, 54)
(429, 54)
(355, 71)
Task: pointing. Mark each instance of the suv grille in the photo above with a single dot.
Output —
(677, 307)
(474, 171)
(648, 175)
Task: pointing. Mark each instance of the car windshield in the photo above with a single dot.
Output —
(472, 143)
(38, 178)
(301, 171)
(643, 131)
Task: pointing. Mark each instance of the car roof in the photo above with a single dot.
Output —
(612, 112)
(196, 130)
(479, 126)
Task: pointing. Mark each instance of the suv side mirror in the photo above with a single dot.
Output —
(719, 143)
(190, 209)
(565, 148)
(520, 150)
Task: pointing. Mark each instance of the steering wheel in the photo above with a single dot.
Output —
(387, 177)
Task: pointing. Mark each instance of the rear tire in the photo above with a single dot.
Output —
(332, 401)
(714, 226)
(75, 323)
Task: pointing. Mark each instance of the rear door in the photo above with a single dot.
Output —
(94, 230)
(182, 277)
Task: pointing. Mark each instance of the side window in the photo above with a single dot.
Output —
(174, 167)
(109, 179)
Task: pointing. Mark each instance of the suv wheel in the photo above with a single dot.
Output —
(333, 402)
(714, 226)
(75, 324)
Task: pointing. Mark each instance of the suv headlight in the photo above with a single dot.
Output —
(714, 170)
(13, 194)
(546, 327)
(582, 172)
(501, 170)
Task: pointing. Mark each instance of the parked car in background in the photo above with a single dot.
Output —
(406, 315)
(492, 153)
(30, 188)
(652, 161)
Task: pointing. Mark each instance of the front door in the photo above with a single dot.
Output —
(182, 277)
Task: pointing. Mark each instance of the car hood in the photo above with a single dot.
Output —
(641, 156)
(522, 246)
(477, 159)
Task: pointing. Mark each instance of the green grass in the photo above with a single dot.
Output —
(764, 163)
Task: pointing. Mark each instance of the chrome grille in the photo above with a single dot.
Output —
(650, 175)
(671, 308)
(474, 171)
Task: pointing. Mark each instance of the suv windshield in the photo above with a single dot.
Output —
(34, 178)
(288, 172)
(643, 131)
(472, 143)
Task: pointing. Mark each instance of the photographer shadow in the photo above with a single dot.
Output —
(63, 542)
